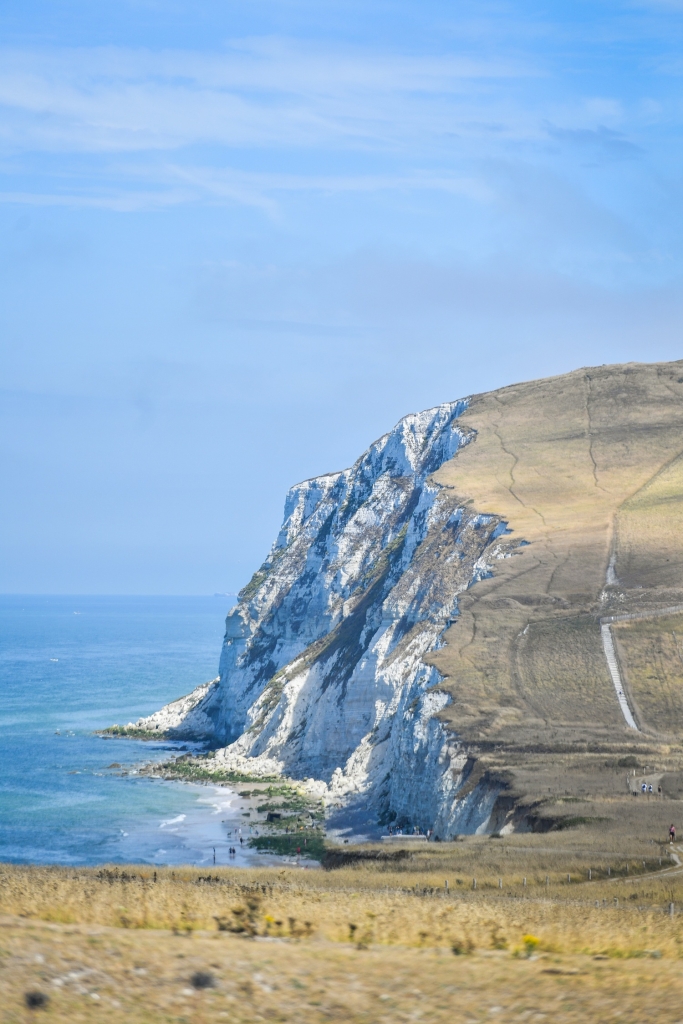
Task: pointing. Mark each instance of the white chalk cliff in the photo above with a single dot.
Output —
(322, 673)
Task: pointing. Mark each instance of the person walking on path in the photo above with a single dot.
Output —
(672, 833)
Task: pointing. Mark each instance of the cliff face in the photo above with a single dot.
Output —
(322, 673)
(363, 658)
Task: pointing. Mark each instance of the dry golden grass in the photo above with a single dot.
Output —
(649, 530)
(94, 974)
(404, 903)
(651, 657)
(562, 461)
(371, 942)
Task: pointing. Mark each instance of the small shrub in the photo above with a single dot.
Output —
(462, 946)
(245, 920)
(36, 1000)
(203, 979)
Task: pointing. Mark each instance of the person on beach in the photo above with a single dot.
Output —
(672, 833)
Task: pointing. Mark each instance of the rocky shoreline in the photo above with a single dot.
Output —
(279, 815)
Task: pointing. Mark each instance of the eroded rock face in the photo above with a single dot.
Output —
(322, 673)
(185, 718)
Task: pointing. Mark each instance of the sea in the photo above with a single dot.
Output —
(72, 665)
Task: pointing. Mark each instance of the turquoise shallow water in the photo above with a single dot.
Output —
(71, 665)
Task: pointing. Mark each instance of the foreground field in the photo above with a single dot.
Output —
(95, 974)
(371, 940)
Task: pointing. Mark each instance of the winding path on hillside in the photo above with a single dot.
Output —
(613, 666)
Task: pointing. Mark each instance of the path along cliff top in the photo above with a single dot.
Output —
(587, 469)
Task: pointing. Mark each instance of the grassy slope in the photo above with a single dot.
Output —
(651, 653)
(367, 943)
(325, 902)
(139, 977)
(579, 466)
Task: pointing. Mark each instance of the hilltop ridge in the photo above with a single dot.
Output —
(588, 468)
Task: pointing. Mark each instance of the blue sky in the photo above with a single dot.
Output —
(239, 240)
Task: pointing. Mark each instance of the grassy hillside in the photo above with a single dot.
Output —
(587, 470)
(572, 926)
(651, 654)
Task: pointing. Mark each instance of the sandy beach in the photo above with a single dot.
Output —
(215, 821)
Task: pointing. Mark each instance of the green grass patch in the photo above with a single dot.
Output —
(199, 770)
(132, 732)
(573, 822)
(283, 805)
(312, 844)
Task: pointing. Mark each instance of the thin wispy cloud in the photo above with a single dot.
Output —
(125, 201)
(259, 93)
(261, 119)
(175, 184)
(603, 142)
(274, 96)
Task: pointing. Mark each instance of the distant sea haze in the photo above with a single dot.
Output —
(72, 665)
